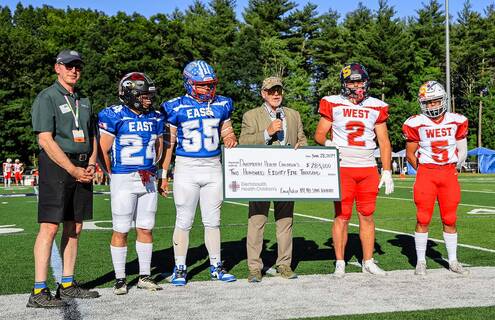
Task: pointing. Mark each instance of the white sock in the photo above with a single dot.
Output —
(181, 243)
(119, 256)
(212, 243)
(366, 262)
(420, 240)
(340, 263)
(144, 252)
(451, 245)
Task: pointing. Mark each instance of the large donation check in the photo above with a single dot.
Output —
(280, 173)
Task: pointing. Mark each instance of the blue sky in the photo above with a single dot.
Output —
(147, 8)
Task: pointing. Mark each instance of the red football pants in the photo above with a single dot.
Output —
(437, 182)
(361, 185)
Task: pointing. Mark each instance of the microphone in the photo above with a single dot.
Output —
(278, 114)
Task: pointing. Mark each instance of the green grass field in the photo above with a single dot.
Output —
(313, 254)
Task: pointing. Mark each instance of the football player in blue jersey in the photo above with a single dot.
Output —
(196, 122)
(133, 131)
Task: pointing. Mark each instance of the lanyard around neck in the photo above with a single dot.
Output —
(74, 114)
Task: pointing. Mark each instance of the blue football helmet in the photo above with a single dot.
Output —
(200, 73)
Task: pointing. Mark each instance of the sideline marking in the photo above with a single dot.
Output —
(377, 229)
(9, 229)
(481, 211)
(91, 225)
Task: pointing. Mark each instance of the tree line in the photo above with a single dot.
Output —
(276, 37)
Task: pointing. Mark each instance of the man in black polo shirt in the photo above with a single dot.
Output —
(62, 121)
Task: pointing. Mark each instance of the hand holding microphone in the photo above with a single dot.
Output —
(276, 124)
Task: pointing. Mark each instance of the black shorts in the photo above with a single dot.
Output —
(61, 197)
(283, 209)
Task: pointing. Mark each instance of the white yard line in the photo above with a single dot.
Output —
(377, 229)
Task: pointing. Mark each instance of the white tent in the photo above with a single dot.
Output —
(399, 155)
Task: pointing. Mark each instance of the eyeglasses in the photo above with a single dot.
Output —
(70, 66)
(274, 90)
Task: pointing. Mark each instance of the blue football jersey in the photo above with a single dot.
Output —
(135, 136)
(198, 124)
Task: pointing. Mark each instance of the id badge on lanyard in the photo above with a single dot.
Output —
(78, 134)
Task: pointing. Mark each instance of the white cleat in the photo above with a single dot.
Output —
(455, 266)
(420, 268)
(146, 282)
(339, 269)
(120, 287)
(371, 268)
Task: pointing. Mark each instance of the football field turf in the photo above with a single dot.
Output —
(313, 252)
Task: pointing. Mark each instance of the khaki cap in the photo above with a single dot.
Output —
(271, 82)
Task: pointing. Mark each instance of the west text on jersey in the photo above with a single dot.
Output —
(356, 113)
(438, 132)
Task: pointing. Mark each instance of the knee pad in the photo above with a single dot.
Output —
(423, 217)
(121, 227)
(366, 209)
(184, 224)
(449, 218)
(147, 222)
(211, 221)
(184, 220)
(343, 210)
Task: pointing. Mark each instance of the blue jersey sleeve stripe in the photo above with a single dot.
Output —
(106, 132)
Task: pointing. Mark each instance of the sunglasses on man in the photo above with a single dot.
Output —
(276, 89)
(72, 65)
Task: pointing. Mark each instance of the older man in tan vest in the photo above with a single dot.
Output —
(271, 124)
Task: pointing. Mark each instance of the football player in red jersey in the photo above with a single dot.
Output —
(354, 120)
(436, 144)
(18, 168)
(7, 173)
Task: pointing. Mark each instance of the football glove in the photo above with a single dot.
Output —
(386, 180)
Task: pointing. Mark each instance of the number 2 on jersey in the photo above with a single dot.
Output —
(132, 147)
(355, 130)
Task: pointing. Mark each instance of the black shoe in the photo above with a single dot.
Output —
(75, 291)
(120, 286)
(44, 299)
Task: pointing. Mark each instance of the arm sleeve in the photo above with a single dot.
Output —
(160, 123)
(107, 121)
(229, 109)
(383, 114)
(411, 134)
(325, 109)
(461, 150)
(249, 131)
(169, 114)
(43, 115)
(301, 137)
(462, 130)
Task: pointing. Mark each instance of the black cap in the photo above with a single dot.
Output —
(68, 56)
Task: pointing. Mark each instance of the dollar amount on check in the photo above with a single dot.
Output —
(281, 173)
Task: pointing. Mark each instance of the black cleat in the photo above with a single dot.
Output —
(44, 299)
(75, 291)
(120, 287)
